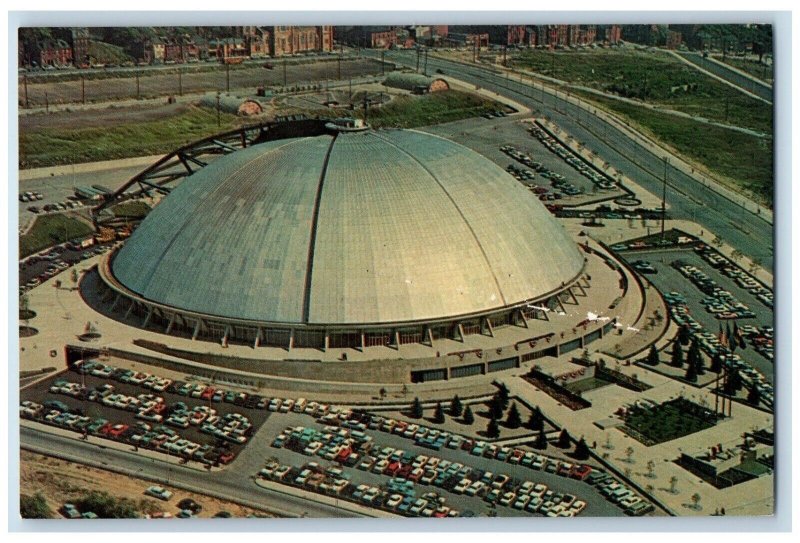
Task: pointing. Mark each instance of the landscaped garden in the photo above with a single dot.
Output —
(670, 420)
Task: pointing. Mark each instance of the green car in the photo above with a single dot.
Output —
(96, 425)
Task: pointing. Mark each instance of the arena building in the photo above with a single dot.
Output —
(351, 238)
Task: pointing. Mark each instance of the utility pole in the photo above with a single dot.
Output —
(418, 54)
(366, 108)
(339, 70)
(138, 94)
(505, 53)
(284, 72)
(218, 121)
(180, 82)
(664, 198)
(227, 77)
(25, 85)
(425, 68)
(83, 89)
(383, 67)
(46, 103)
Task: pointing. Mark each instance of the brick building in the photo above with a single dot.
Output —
(53, 53)
(291, 40)
(80, 46)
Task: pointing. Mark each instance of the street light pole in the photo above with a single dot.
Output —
(664, 198)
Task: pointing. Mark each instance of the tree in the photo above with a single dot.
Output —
(382, 393)
(581, 449)
(514, 420)
(541, 440)
(536, 420)
(736, 255)
(652, 356)
(755, 264)
(502, 393)
(734, 383)
(106, 506)
(677, 355)
(673, 485)
(496, 407)
(564, 440)
(684, 335)
(691, 372)
(754, 396)
(717, 241)
(74, 276)
(696, 500)
(456, 408)
(493, 429)
(651, 466)
(438, 414)
(629, 455)
(34, 506)
(716, 363)
(416, 409)
(469, 418)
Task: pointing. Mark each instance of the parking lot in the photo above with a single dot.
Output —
(95, 409)
(596, 503)
(669, 279)
(59, 259)
(487, 136)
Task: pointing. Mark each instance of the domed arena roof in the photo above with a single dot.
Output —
(365, 227)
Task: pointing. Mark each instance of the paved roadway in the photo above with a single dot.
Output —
(760, 89)
(235, 485)
(688, 198)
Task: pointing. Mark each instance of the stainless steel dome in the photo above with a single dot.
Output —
(361, 228)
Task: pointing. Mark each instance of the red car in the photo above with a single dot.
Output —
(117, 430)
(208, 393)
(106, 428)
(343, 454)
(404, 471)
(467, 445)
(226, 457)
(580, 472)
(392, 468)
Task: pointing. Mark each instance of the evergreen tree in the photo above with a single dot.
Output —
(581, 449)
(496, 407)
(416, 409)
(493, 429)
(684, 335)
(502, 393)
(536, 420)
(438, 415)
(541, 440)
(716, 363)
(564, 440)
(677, 354)
(514, 420)
(456, 408)
(691, 372)
(469, 418)
(754, 396)
(652, 356)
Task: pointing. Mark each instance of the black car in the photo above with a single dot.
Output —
(190, 505)
(34, 209)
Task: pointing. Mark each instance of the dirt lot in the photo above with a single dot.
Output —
(107, 118)
(155, 84)
(61, 482)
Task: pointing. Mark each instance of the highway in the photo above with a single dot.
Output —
(760, 89)
(689, 199)
(234, 484)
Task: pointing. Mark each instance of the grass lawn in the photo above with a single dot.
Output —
(434, 108)
(585, 385)
(131, 210)
(670, 420)
(654, 78)
(744, 161)
(53, 146)
(49, 230)
(752, 67)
